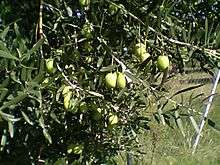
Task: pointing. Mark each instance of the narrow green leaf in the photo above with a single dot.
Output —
(16, 29)
(132, 77)
(121, 93)
(99, 63)
(5, 82)
(213, 125)
(187, 89)
(11, 129)
(41, 122)
(217, 41)
(3, 47)
(53, 116)
(159, 110)
(47, 136)
(206, 31)
(15, 78)
(179, 123)
(7, 55)
(4, 33)
(6, 116)
(143, 98)
(4, 92)
(23, 74)
(27, 119)
(133, 133)
(37, 46)
(195, 126)
(108, 68)
(3, 140)
(189, 33)
(61, 161)
(14, 101)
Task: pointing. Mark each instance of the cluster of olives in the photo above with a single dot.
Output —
(142, 55)
(116, 79)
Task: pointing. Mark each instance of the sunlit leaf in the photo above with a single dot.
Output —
(4, 33)
(27, 119)
(47, 136)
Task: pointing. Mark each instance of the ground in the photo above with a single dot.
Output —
(167, 145)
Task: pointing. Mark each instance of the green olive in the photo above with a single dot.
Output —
(163, 63)
(66, 89)
(141, 52)
(121, 80)
(111, 79)
(66, 101)
(113, 119)
(50, 65)
(87, 30)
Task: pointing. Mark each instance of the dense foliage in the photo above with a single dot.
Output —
(54, 103)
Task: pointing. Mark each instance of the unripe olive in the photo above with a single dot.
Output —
(163, 63)
(121, 80)
(113, 119)
(110, 80)
(66, 90)
(50, 65)
(87, 30)
(66, 101)
(144, 56)
(140, 52)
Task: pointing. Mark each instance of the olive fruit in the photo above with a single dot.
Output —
(66, 101)
(50, 65)
(144, 56)
(87, 30)
(121, 80)
(110, 80)
(84, 3)
(140, 52)
(66, 89)
(140, 45)
(113, 119)
(163, 63)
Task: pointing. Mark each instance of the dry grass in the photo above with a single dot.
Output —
(167, 146)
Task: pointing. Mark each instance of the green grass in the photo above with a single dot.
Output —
(167, 146)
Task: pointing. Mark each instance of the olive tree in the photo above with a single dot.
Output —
(81, 79)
